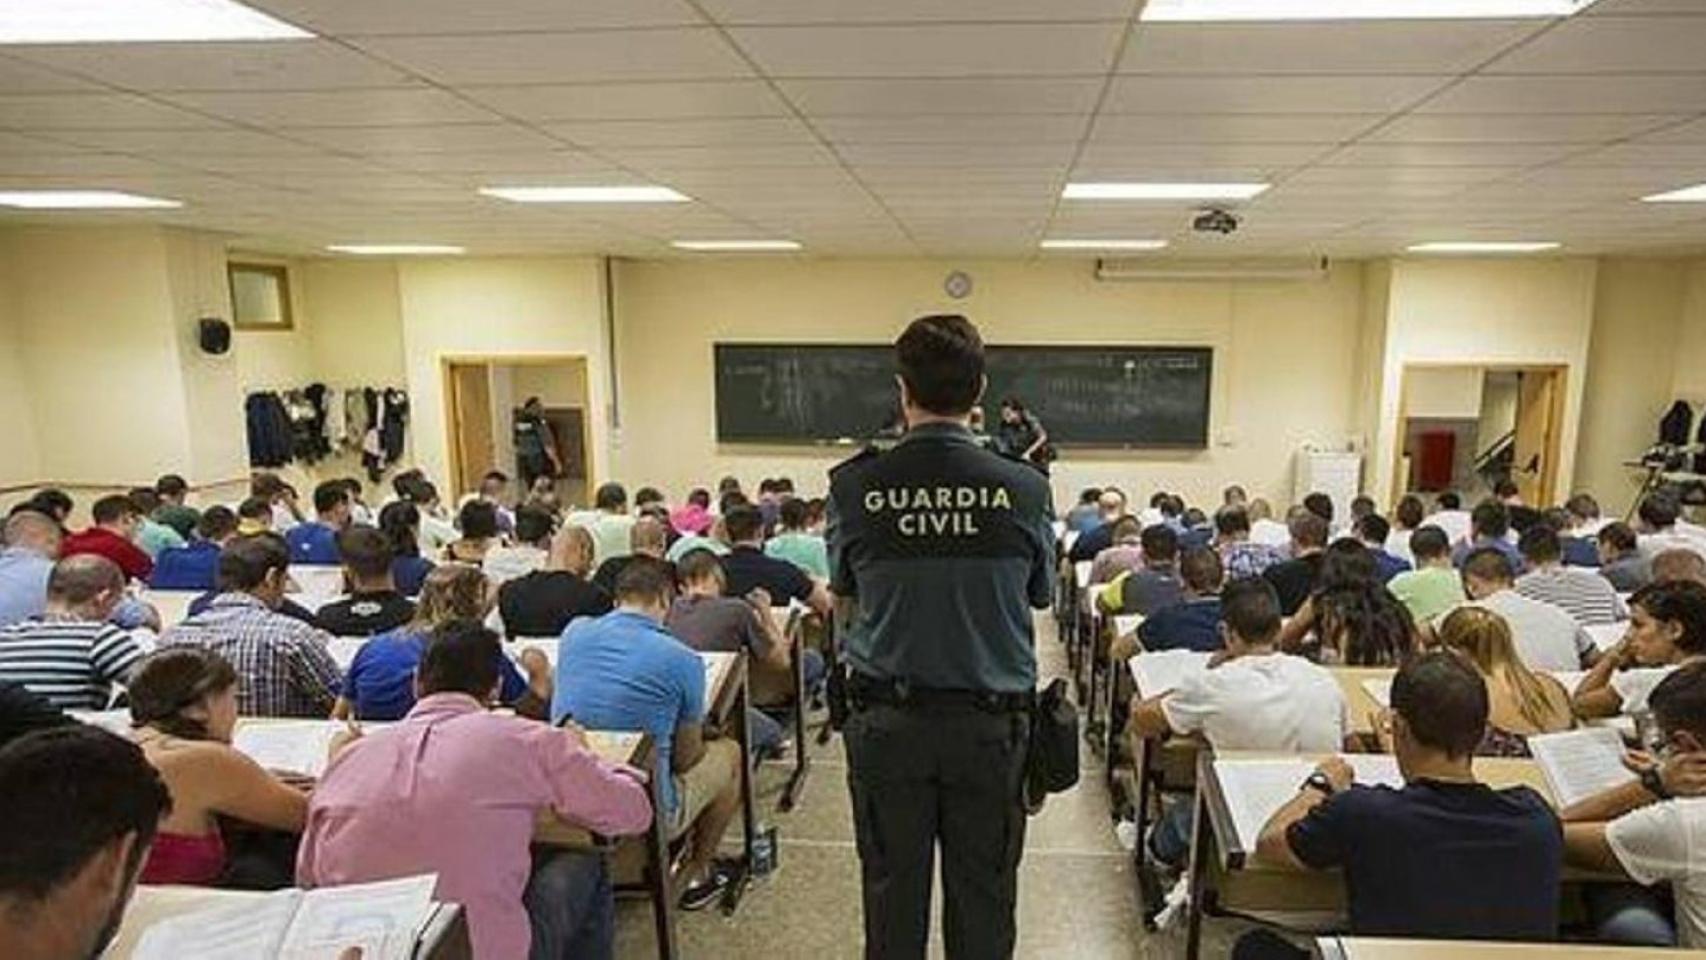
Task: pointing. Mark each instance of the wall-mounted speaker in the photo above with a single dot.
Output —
(214, 335)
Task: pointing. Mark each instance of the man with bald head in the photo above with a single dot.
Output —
(647, 538)
(70, 654)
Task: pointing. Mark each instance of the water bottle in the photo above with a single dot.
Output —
(764, 852)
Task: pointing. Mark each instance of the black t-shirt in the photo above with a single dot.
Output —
(1440, 860)
(24, 711)
(365, 614)
(1089, 544)
(609, 571)
(747, 568)
(1293, 581)
(542, 603)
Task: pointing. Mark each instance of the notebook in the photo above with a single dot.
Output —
(384, 920)
(1163, 671)
(1580, 763)
(1256, 789)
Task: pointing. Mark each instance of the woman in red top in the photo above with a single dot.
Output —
(183, 702)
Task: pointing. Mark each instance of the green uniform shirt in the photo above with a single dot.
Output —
(1428, 592)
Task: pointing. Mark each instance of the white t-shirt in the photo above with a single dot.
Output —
(1667, 841)
(503, 564)
(1398, 544)
(1636, 684)
(1455, 523)
(1270, 533)
(1273, 701)
(1653, 544)
(1546, 637)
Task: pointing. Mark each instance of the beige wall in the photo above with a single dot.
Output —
(1284, 357)
(1535, 312)
(20, 462)
(1690, 352)
(1443, 393)
(497, 308)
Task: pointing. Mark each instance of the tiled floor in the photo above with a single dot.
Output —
(1077, 896)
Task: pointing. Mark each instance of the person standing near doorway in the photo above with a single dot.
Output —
(536, 450)
(938, 550)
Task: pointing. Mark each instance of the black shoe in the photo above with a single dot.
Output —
(706, 892)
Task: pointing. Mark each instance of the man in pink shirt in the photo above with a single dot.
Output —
(453, 789)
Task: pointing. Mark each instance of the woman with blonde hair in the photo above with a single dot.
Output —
(380, 684)
(1521, 703)
(183, 704)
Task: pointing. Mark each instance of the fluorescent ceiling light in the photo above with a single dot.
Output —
(1210, 10)
(137, 21)
(81, 200)
(395, 249)
(1104, 244)
(1162, 191)
(1694, 194)
(1484, 246)
(632, 194)
(734, 246)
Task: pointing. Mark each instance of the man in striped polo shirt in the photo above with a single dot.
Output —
(70, 654)
(1583, 594)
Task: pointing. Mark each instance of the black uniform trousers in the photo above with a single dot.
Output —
(927, 775)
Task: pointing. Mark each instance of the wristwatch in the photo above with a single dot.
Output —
(1654, 783)
(1320, 781)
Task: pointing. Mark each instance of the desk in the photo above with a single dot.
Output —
(1375, 948)
(1226, 876)
(445, 936)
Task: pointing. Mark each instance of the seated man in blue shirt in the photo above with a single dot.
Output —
(1194, 622)
(1489, 526)
(1445, 857)
(624, 671)
(195, 566)
(1373, 529)
(317, 543)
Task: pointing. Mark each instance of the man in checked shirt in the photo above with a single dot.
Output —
(283, 667)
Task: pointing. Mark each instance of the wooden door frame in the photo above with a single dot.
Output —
(453, 419)
(1554, 434)
(447, 361)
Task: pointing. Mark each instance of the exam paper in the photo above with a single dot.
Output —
(1163, 671)
(1580, 763)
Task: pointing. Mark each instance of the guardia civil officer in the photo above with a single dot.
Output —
(938, 551)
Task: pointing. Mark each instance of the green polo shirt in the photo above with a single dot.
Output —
(802, 550)
(1428, 592)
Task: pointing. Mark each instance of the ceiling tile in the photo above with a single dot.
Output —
(1518, 128)
(1612, 45)
(446, 138)
(19, 76)
(725, 156)
(896, 11)
(17, 144)
(1691, 132)
(1649, 155)
(948, 155)
(279, 65)
(1102, 160)
(403, 17)
(942, 96)
(510, 58)
(989, 130)
(1271, 94)
(190, 143)
(633, 101)
(1448, 154)
(351, 108)
(1319, 47)
(931, 50)
(93, 111)
(81, 166)
(1166, 129)
(1563, 94)
(684, 132)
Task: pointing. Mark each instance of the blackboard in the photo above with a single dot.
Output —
(1087, 396)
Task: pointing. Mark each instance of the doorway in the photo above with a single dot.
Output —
(1469, 427)
(485, 396)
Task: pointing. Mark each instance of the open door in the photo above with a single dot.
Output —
(471, 425)
(1534, 464)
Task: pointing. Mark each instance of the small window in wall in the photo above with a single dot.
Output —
(260, 296)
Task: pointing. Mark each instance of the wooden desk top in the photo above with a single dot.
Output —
(1373, 948)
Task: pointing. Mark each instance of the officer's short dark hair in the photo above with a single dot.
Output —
(1490, 518)
(610, 496)
(365, 551)
(1160, 544)
(1230, 521)
(113, 509)
(940, 358)
(1443, 701)
(1619, 536)
(71, 791)
(1660, 512)
(699, 564)
(246, 561)
(1429, 542)
(330, 495)
(1319, 504)
(646, 580)
(1679, 701)
(744, 522)
(1373, 528)
(216, 523)
(1251, 609)
(478, 520)
(461, 656)
(1488, 564)
(1540, 544)
(1201, 570)
(533, 525)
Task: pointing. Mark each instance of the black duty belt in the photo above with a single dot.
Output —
(864, 690)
